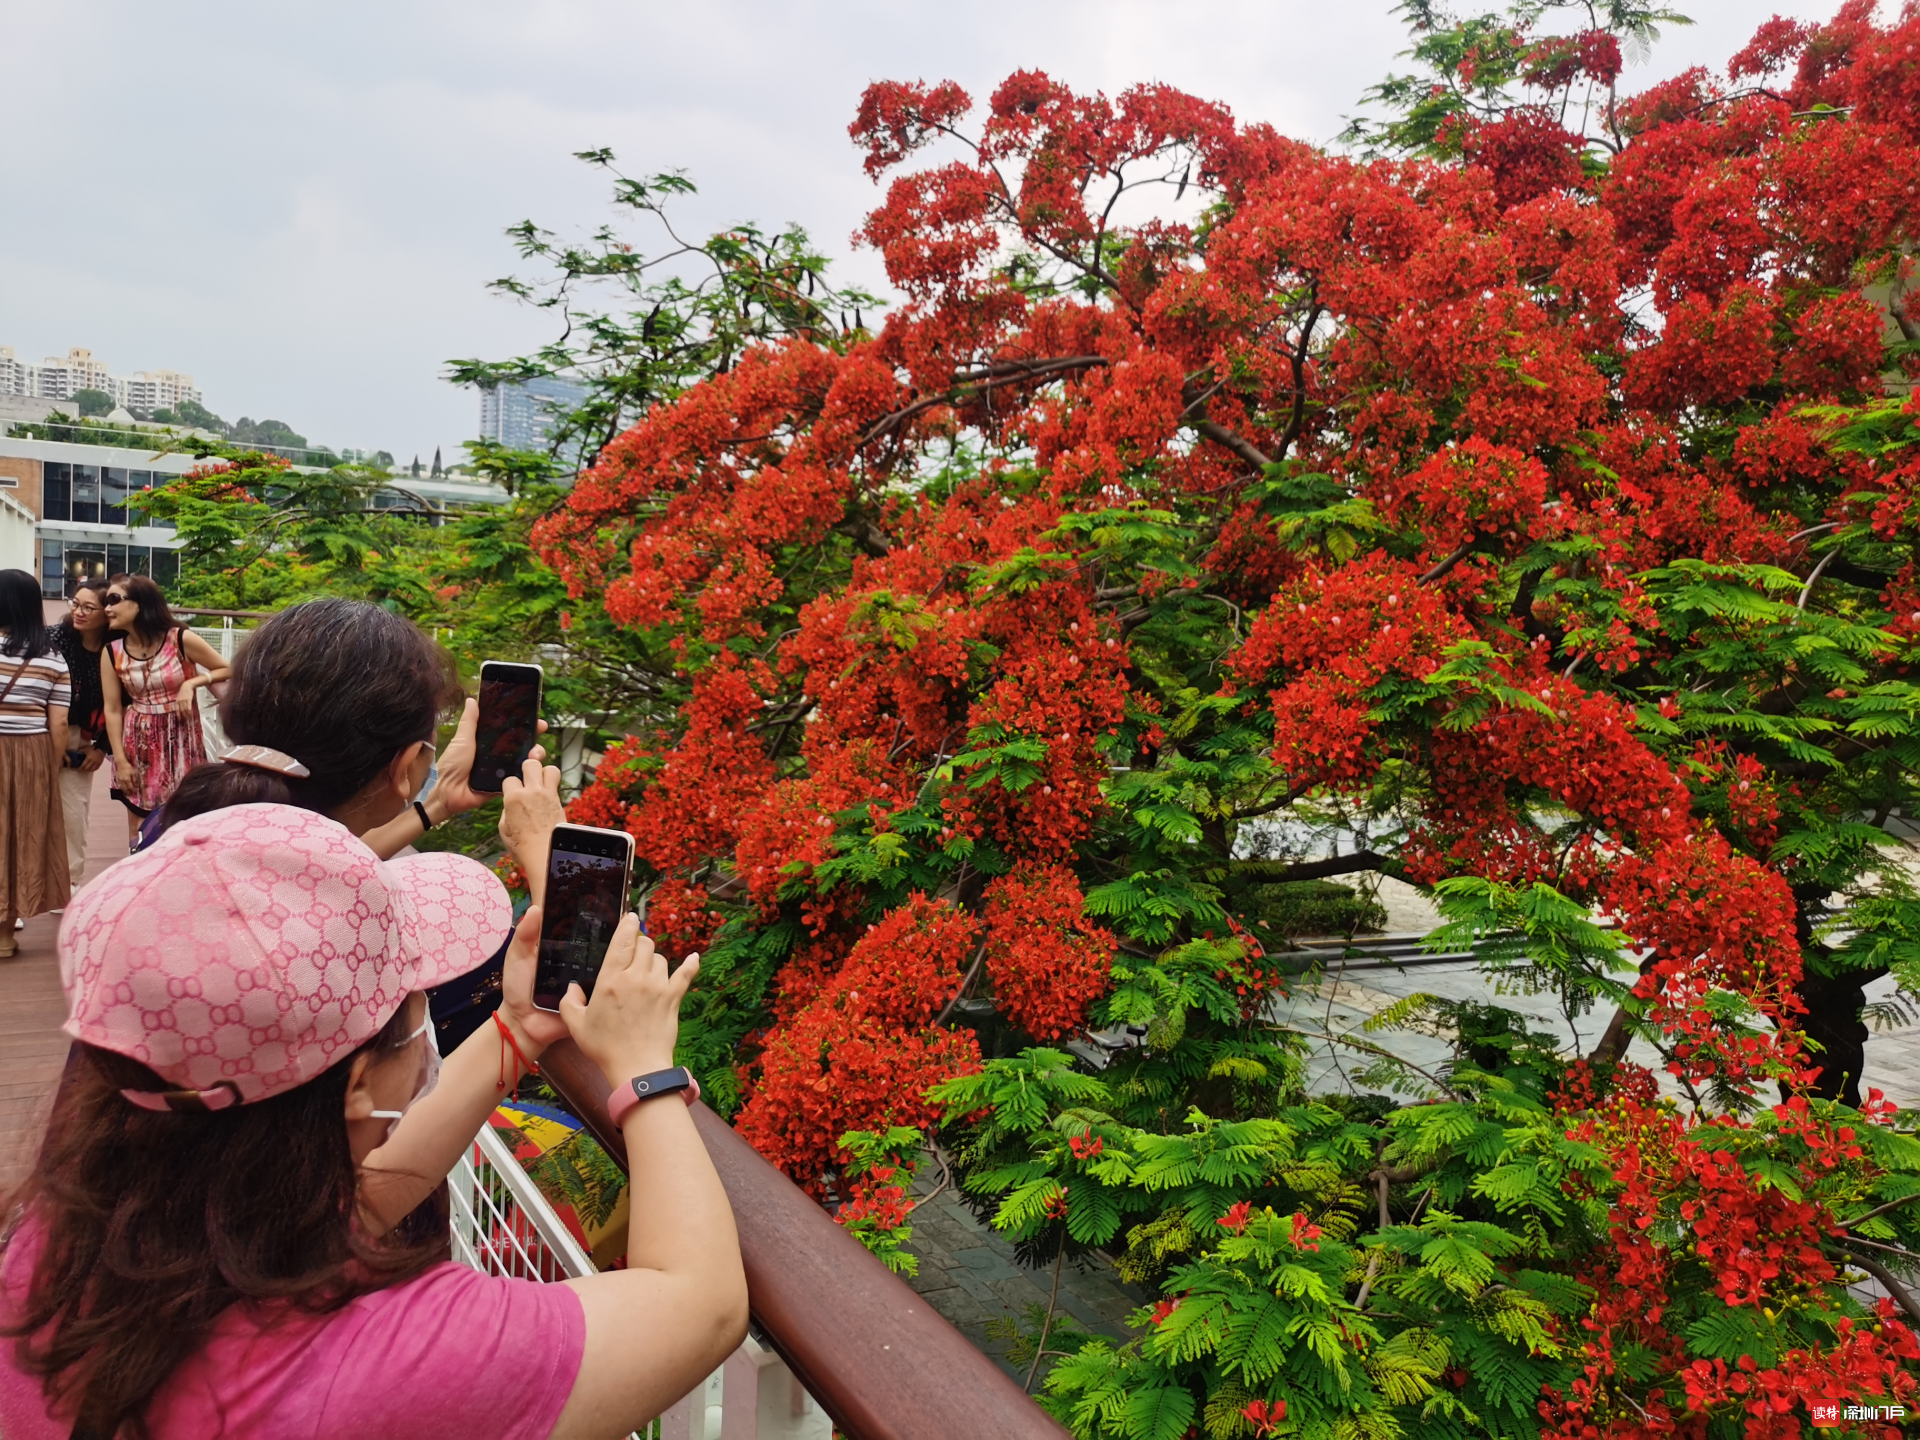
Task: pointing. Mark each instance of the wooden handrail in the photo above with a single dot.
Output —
(878, 1358)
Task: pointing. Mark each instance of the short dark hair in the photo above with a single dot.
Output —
(342, 686)
(154, 619)
(23, 616)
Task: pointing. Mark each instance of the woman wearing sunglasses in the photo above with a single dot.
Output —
(224, 1231)
(148, 676)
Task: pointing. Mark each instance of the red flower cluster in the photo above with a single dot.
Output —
(1047, 961)
(1758, 1247)
(862, 1052)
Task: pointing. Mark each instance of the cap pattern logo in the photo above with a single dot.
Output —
(257, 945)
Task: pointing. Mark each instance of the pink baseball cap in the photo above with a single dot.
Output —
(250, 948)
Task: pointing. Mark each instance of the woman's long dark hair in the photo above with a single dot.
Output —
(154, 619)
(341, 686)
(22, 616)
(153, 1223)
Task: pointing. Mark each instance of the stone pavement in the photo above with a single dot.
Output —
(969, 1275)
(1340, 1002)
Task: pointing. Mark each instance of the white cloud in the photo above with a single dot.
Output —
(299, 204)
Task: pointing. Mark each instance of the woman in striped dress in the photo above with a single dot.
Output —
(33, 729)
(149, 674)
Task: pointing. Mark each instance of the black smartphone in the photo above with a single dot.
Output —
(509, 722)
(588, 871)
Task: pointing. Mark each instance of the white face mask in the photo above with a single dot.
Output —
(429, 1075)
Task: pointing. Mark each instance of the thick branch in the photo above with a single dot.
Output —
(1299, 359)
(867, 535)
(1273, 872)
(1238, 444)
(1440, 570)
(1902, 1296)
(1011, 372)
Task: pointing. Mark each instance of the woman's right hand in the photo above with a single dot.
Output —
(630, 1025)
(530, 811)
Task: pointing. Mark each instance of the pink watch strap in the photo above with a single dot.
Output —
(630, 1093)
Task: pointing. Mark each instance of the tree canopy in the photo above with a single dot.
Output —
(1528, 488)
(1541, 497)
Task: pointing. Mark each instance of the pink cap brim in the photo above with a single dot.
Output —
(456, 913)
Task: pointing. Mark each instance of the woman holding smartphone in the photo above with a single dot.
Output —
(334, 706)
(149, 674)
(221, 1234)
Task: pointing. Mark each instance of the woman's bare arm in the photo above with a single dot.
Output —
(115, 706)
(684, 1289)
(212, 668)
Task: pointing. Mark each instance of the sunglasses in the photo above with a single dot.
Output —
(116, 599)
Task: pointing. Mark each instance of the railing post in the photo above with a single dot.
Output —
(688, 1417)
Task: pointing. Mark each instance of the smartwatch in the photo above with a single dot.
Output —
(645, 1087)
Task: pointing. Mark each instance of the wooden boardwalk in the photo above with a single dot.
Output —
(32, 1049)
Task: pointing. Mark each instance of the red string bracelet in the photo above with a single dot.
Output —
(508, 1042)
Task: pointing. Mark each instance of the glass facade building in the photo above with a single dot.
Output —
(520, 414)
(79, 502)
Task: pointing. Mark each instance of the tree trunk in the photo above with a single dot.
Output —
(1833, 1023)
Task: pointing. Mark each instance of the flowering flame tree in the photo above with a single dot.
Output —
(1541, 497)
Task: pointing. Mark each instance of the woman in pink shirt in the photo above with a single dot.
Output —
(224, 1234)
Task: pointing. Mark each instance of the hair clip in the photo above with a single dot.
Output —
(214, 1097)
(259, 757)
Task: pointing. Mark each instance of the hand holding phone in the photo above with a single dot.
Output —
(509, 723)
(588, 871)
(630, 1025)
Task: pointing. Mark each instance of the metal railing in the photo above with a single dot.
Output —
(503, 1225)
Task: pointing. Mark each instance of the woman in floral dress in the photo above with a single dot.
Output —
(148, 679)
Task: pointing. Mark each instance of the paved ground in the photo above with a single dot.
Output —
(32, 1048)
(1339, 1004)
(968, 1274)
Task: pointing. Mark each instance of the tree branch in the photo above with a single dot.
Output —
(979, 956)
(1440, 570)
(1006, 373)
(1273, 872)
(1901, 1295)
(1238, 444)
(1299, 360)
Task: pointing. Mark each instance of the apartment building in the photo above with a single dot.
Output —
(62, 377)
(16, 378)
(145, 391)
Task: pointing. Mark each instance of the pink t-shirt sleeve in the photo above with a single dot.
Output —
(454, 1354)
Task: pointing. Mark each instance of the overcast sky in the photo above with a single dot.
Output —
(299, 203)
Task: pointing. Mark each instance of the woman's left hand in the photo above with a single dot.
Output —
(533, 1027)
(452, 794)
(184, 702)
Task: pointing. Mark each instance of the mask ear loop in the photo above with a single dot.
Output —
(392, 1117)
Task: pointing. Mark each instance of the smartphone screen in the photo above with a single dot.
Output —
(509, 717)
(587, 875)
